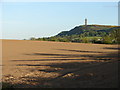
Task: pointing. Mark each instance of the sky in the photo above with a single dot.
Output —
(23, 20)
(60, 0)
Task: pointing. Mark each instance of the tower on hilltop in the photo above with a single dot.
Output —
(85, 22)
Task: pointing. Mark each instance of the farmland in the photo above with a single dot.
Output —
(47, 64)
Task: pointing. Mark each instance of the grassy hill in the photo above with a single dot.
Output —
(90, 30)
(87, 34)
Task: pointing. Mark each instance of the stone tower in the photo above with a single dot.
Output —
(85, 22)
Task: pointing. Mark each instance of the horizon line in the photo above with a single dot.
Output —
(51, 35)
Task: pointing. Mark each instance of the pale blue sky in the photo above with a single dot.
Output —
(42, 19)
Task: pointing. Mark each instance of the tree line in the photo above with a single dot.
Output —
(113, 37)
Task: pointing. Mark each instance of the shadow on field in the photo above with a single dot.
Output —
(50, 59)
(112, 48)
(64, 57)
(74, 74)
(81, 51)
(60, 55)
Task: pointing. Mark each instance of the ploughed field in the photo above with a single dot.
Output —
(45, 64)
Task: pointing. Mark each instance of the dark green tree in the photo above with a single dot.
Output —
(115, 35)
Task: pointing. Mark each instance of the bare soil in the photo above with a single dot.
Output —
(45, 64)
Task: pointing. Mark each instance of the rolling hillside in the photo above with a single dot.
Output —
(102, 34)
(91, 30)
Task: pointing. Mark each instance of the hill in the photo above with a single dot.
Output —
(89, 30)
(87, 34)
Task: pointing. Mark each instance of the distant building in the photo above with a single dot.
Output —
(85, 22)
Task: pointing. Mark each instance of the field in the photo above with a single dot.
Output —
(45, 64)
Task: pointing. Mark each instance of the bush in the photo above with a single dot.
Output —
(85, 40)
(115, 34)
(107, 40)
(32, 38)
